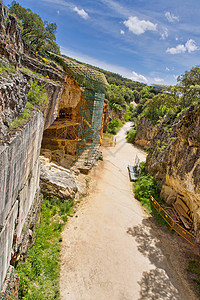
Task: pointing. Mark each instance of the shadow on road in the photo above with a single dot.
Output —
(170, 255)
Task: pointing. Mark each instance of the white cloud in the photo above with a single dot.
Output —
(171, 18)
(178, 49)
(190, 46)
(122, 31)
(158, 80)
(138, 27)
(81, 12)
(58, 12)
(138, 77)
(164, 35)
(167, 69)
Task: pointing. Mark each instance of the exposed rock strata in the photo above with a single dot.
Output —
(174, 159)
(19, 173)
(13, 95)
(145, 132)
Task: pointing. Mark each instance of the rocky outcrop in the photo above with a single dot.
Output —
(57, 181)
(174, 159)
(145, 132)
(11, 44)
(13, 93)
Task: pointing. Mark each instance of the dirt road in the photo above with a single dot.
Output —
(111, 248)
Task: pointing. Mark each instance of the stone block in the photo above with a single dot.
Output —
(6, 241)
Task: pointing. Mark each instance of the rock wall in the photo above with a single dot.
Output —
(145, 132)
(19, 173)
(11, 44)
(174, 160)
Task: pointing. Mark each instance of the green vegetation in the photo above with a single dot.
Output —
(131, 135)
(114, 126)
(6, 69)
(23, 118)
(39, 274)
(145, 186)
(36, 94)
(36, 33)
(194, 270)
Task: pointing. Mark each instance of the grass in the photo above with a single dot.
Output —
(39, 274)
(194, 270)
(6, 69)
(23, 118)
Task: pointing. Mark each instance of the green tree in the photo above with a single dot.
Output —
(159, 105)
(36, 33)
(189, 83)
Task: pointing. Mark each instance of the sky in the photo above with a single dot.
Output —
(150, 41)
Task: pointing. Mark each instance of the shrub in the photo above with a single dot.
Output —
(131, 135)
(36, 93)
(114, 126)
(144, 187)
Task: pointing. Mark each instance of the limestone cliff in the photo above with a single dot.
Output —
(145, 132)
(174, 159)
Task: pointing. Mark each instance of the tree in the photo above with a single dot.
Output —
(190, 87)
(36, 33)
(159, 105)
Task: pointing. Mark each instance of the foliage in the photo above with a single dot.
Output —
(39, 274)
(37, 93)
(158, 106)
(36, 33)
(144, 187)
(190, 87)
(6, 68)
(131, 135)
(23, 118)
(128, 116)
(114, 126)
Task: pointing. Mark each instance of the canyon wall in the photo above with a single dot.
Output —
(145, 132)
(19, 190)
(174, 160)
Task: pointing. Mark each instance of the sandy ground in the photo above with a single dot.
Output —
(112, 249)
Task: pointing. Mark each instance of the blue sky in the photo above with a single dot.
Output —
(152, 41)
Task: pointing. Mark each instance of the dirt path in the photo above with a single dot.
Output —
(112, 249)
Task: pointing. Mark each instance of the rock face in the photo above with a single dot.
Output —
(11, 44)
(19, 197)
(174, 160)
(145, 132)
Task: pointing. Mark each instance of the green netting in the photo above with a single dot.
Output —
(91, 108)
(89, 124)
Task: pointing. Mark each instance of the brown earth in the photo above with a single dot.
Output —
(112, 249)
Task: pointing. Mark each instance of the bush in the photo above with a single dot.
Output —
(114, 126)
(131, 135)
(144, 187)
(36, 93)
